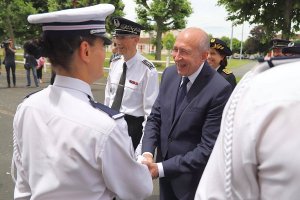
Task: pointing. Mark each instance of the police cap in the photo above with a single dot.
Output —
(87, 20)
(220, 46)
(279, 43)
(293, 48)
(126, 27)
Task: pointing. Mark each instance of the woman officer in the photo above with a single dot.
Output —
(217, 59)
(67, 146)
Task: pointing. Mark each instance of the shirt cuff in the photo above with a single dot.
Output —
(161, 172)
(145, 153)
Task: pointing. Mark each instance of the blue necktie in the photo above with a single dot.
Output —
(181, 92)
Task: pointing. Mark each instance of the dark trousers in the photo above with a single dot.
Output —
(135, 128)
(39, 73)
(166, 190)
(11, 67)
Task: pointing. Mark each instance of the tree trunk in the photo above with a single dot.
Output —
(158, 42)
(286, 30)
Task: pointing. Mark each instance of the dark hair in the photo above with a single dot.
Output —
(59, 47)
(223, 62)
(31, 47)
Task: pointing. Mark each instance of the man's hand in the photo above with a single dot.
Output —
(152, 168)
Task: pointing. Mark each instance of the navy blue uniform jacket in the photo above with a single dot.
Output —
(184, 142)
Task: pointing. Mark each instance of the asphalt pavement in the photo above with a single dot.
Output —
(9, 100)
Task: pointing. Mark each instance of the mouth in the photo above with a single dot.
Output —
(181, 65)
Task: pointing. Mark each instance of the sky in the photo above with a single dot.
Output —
(207, 15)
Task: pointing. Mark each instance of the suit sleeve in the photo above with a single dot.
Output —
(197, 158)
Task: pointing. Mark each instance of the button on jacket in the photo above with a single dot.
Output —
(66, 149)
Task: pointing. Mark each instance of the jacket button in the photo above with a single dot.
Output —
(169, 139)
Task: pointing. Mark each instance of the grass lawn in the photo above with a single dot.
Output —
(235, 63)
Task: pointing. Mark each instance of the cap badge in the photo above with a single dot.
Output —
(116, 23)
(96, 31)
(218, 46)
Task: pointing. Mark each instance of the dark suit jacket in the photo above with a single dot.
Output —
(184, 142)
(229, 76)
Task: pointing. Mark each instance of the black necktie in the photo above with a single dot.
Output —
(181, 92)
(119, 94)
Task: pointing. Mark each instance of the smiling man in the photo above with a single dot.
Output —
(185, 118)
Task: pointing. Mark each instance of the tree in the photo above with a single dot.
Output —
(280, 15)
(258, 40)
(168, 41)
(14, 15)
(162, 16)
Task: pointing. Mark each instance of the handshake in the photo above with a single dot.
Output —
(147, 159)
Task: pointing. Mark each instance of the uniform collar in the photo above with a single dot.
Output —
(132, 60)
(73, 83)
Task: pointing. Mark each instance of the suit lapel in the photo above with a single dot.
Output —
(199, 83)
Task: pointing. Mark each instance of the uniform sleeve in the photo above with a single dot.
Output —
(151, 88)
(124, 176)
(22, 189)
(107, 97)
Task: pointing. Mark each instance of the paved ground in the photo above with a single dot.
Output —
(11, 97)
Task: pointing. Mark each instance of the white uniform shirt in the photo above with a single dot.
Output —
(141, 85)
(265, 138)
(66, 149)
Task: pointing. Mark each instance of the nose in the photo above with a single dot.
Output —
(176, 56)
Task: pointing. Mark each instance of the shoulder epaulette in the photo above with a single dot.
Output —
(112, 113)
(227, 71)
(118, 57)
(28, 95)
(148, 64)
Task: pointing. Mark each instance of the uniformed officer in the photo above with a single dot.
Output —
(277, 45)
(132, 84)
(293, 49)
(66, 145)
(217, 59)
(254, 155)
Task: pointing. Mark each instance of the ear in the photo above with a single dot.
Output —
(136, 39)
(85, 51)
(204, 55)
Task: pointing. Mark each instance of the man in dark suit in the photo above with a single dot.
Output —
(184, 130)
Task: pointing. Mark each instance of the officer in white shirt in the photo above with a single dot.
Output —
(66, 145)
(141, 84)
(255, 156)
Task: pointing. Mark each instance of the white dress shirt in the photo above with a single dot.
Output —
(66, 149)
(141, 86)
(255, 156)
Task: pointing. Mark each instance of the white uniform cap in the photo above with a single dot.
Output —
(89, 20)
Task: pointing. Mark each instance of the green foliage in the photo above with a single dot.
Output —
(162, 16)
(281, 15)
(14, 15)
(169, 41)
(258, 42)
